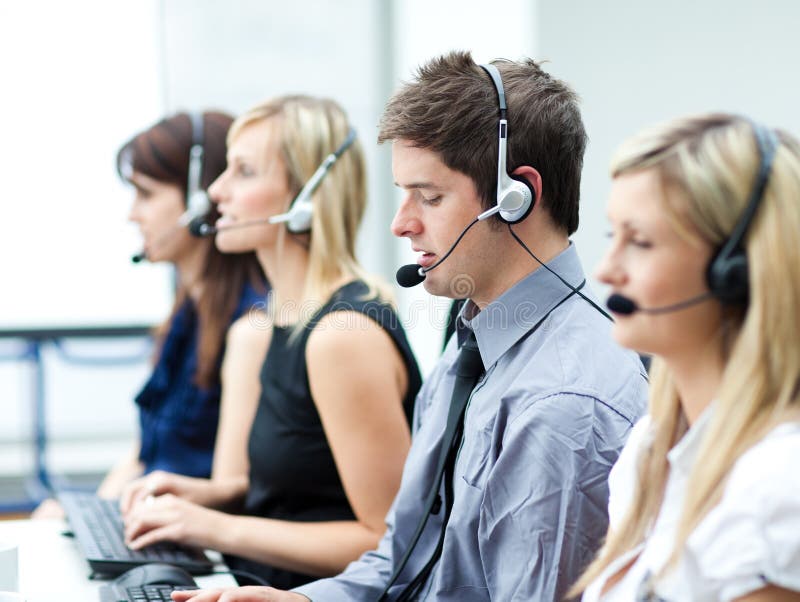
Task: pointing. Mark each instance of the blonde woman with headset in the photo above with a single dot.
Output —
(331, 431)
(704, 265)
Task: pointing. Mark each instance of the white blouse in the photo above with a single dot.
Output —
(750, 539)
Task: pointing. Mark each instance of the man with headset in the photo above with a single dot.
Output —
(504, 491)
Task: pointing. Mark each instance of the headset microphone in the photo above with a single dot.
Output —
(409, 275)
(626, 306)
(412, 274)
(139, 257)
(199, 228)
(202, 229)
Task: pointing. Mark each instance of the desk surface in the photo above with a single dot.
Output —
(51, 567)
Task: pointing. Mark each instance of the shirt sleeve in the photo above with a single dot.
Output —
(545, 501)
(363, 579)
(750, 539)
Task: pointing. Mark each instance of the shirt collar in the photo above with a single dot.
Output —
(682, 456)
(512, 315)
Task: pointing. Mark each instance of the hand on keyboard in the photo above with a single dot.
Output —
(169, 518)
(160, 482)
(98, 527)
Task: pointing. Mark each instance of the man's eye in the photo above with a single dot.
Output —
(432, 200)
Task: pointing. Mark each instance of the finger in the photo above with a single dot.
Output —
(146, 519)
(165, 533)
(198, 595)
(139, 490)
(132, 498)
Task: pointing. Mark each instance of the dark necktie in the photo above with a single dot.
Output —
(469, 369)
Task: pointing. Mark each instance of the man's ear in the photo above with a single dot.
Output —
(532, 177)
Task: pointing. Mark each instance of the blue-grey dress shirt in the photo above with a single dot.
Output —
(542, 429)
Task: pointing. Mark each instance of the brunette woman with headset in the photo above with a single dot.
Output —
(705, 269)
(170, 165)
(331, 432)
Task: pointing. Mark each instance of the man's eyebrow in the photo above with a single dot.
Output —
(417, 185)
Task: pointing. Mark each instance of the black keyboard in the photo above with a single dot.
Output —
(97, 525)
(146, 593)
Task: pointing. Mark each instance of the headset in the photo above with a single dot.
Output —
(515, 196)
(515, 200)
(298, 218)
(727, 274)
(197, 201)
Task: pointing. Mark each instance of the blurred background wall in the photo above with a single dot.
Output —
(80, 77)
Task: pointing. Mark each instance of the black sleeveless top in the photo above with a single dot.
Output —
(293, 475)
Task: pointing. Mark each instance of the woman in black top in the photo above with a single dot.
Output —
(331, 431)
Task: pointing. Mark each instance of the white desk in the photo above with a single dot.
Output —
(51, 566)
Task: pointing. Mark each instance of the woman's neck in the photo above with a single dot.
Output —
(190, 270)
(286, 267)
(697, 376)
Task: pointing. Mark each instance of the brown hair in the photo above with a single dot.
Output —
(451, 108)
(162, 153)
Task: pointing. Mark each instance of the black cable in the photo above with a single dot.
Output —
(453, 246)
(567, 284)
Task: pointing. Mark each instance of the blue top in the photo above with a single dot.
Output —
(178, 419)
(542, 429)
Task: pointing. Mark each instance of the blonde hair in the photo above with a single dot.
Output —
(713, 160)
(309, 130)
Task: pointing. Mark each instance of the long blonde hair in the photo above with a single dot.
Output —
(712, 160)
(309, 130)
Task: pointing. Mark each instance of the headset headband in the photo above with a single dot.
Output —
(515, 196)
(767, 143)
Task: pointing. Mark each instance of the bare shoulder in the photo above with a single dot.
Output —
(342, 332)
(250, 332)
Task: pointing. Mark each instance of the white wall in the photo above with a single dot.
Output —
(635, 63)
(78, 79)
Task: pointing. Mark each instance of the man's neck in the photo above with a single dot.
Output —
(517, 263)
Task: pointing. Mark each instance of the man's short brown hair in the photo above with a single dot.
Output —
(451, 108)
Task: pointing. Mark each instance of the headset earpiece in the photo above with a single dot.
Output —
(301, 210)
(727, 274)
(298, 218)
(728, 279)
(516, 199)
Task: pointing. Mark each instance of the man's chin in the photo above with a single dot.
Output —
(437, 289)
(432, 287)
